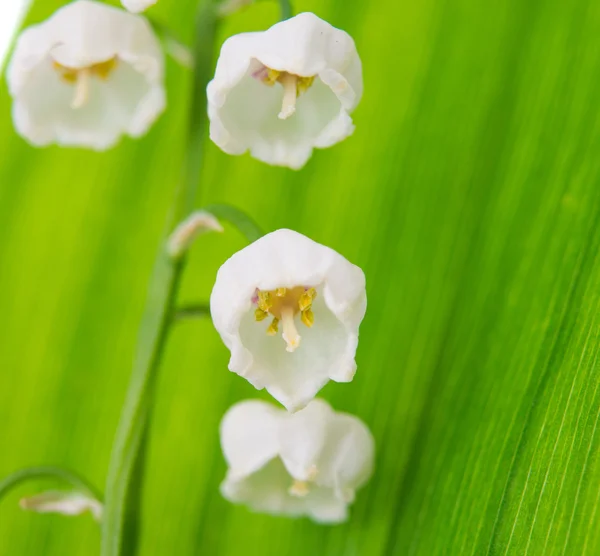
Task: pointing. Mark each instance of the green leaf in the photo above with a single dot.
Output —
(469, 194)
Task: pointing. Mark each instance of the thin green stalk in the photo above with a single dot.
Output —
(123, 488)
(286, 9)
(48, 472)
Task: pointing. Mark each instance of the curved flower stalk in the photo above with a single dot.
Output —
(308, 463)
(285, 91)
(289, 310)
(86, 76)
(137, 6)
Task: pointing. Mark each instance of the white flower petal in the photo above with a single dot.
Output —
(286, 259)
(137, 6)
(317, 460)
(249, 433)
(244, 111)
(79, 36)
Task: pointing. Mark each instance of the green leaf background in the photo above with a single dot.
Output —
(470, 196)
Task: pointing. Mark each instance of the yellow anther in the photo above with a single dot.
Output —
(303, 84)
(264, 301)
(280, 292)
(299, 488)
(307, 298)
(104, 69)
(272, 77)
(308, 317)
(259, 315)
(273, 327)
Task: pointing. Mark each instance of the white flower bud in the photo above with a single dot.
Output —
(61, 502)
(285, 282)
(309, 463)
(86, 76)
(285, 91)
(195, 224)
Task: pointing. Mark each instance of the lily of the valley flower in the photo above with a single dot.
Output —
(289, 310)
(62, 502)
(86, 76)
(309, 463)
(137, 6)
(282, 92)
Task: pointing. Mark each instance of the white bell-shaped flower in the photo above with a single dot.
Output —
(85, 76)
(285, 91)
(285, 282)
(309, 463)
(137, 6)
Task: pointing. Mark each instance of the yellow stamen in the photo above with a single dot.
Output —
(307, 298)
(272, 77)
(81, 78)
(264, 300)
(273, 327)
(299, 488)
(259, 315)
(308, 317)
(304, 83)
(289, 83)
(290, 334)
(280, 292)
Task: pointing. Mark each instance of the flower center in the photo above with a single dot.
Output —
(301, 488)
(80, 78)
(283, 304)
(293, 87)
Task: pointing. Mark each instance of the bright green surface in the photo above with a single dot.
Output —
(469, 194)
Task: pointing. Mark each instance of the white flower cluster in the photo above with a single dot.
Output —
(311, 460)
(288, 308)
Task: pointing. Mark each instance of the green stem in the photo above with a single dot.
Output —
(192, 312)
(125, 474)
(47, 472)
(286, 9)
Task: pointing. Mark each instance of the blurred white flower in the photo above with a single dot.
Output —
(285, 280)
(61, 502)
(86, 76)
(282, 92)
(308, 463)
(137, 6)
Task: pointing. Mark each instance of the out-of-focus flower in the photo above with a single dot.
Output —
(307, 463)
(285, 91)
(86, 76)
(137, 6)
(62, 502)
(287, 281)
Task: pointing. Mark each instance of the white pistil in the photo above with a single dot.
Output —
(290, 334)
(289, 83)
(82, 88)
(299, 488)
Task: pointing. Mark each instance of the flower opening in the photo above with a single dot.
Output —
(284, 304)
(80, 78)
